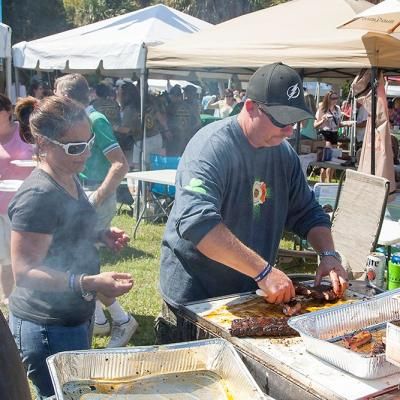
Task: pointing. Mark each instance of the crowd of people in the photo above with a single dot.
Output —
(51, 230)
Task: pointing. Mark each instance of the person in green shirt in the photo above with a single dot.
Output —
(104, 171)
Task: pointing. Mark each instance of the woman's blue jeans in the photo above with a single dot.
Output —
(36, 342)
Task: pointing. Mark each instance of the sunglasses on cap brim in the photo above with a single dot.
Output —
(73, 148)
(271, 118)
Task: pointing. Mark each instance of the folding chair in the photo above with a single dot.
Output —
(162, 195)
(356, 221)
(124, 196)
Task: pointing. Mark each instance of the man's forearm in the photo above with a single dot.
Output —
(320, 238)
(112, 180)
(221, 245)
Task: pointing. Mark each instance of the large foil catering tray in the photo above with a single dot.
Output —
(321, 329)
(206, 369)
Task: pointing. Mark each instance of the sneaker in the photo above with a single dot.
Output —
(101, 329)
(121, 334)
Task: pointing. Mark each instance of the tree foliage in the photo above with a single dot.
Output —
(216, 11)
(82, 12)
(34, 19)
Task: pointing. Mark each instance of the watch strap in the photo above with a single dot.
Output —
(331, 253)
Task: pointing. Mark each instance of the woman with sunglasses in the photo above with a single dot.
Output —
(53, 243)
(327, 122)
(224, 106)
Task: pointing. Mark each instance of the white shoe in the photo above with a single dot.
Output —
(121, 334)
(101, 329)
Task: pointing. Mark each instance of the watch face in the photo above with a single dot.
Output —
(88, 296)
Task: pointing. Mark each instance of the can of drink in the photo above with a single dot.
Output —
(375, 269)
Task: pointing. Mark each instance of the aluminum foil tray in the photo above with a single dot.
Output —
(206, 369)
(320, 329)
(393, 343)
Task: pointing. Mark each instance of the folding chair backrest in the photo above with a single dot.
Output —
(357, 219)
(158, 161)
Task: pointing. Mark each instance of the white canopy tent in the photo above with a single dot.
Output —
(116, 46)
(5, 52)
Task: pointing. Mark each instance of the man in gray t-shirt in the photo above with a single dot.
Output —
(239, 184)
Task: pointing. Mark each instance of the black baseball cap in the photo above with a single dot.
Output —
(280, 89)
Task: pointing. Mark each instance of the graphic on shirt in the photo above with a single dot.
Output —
(196, 185)
(259, 193)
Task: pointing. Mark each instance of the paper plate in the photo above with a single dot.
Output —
(25, 163)
(10, 185)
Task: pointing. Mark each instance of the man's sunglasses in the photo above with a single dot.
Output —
(272, 119)
(73, 148)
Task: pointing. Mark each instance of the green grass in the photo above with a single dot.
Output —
(142, 259)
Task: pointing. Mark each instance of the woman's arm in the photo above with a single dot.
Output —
(320, 118)
(29, 249)
(212, 104)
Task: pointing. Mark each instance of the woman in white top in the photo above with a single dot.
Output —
(327, 123)
(225, 106)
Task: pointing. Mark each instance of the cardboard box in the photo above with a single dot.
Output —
(305, 146)
(316, 144)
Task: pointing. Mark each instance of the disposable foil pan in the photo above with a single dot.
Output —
(320, 329)
(393, 343)
(158, 372)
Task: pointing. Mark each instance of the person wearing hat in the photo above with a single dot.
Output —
(239, 185)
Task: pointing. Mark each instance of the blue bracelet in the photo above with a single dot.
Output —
(71, 282)
(267, 269)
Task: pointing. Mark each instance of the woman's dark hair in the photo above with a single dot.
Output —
(130, 95)
(35, 85)
(103, 90)
(228, 93)
(51, 117)
(5, 103)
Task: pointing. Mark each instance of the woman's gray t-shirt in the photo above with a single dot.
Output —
(43, 206)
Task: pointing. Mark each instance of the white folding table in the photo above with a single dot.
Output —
(162, 176)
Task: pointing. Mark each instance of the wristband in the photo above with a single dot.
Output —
(71, 281)
(87, 296)
(267, 269)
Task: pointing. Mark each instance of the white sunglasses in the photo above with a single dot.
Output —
(73, 148)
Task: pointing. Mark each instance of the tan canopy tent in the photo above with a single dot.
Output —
(300, 33)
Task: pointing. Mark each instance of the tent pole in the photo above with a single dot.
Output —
(8, 77)
(374, 84)
(353, 131)
(143, 91)
(16, 83)
(298, 124)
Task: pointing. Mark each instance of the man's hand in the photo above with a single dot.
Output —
(277, 287)
(114, 238)
(332, 267)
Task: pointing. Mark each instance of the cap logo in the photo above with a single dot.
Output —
(293, 92)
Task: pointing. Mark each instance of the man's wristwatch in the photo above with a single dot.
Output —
(331, 253)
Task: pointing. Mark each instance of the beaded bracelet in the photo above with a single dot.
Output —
(267, 269)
